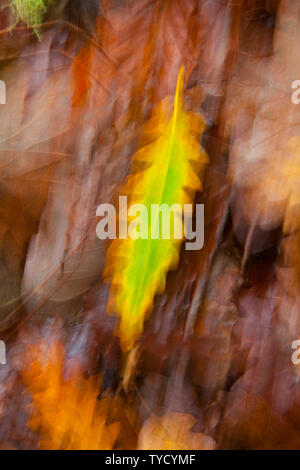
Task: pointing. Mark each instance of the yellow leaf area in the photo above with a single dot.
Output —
(66, 411)
(165, 172)
(173, 432)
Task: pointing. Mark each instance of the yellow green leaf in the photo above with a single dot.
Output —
(164, 171)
